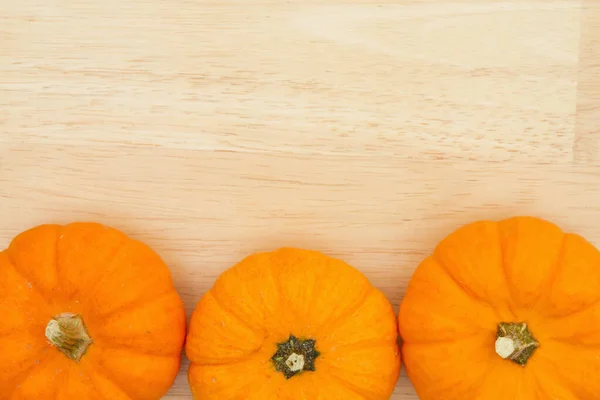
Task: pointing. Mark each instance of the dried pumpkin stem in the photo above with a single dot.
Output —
(515, 342)
(294, 356)
(67, 332)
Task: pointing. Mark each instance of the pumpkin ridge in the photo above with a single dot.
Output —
(581, 392)
(133, 350)
(348, 312)
(87, 376)
(108, 378)
(232, 361)
(129, 243)
(36, 293)
(511, 294)
(559, 263)
(244, 388)
(189, 345)
(474, 337)
(34, 287)
(350, 386)
(107, 340)
(540, 388)
(63, 383)
(93, 387)
(217, 296)
(367, 344)
(276, 284)
(555, 272)
(465, 289)
(283, 302)
(131, 306)
(569, 342)
(104, 374)
(109, 261)
(127, 307)
(489, 374)
(233, 313)
(23, 375)
(36, 284)
(59, 230)
(548, 282)
(585, 308)
(364, 393)
(557, 368)
(453, 339)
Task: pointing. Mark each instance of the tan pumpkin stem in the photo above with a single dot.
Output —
(67, 332)
(515, 342)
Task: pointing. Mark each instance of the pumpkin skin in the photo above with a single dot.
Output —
(119, 291)
(246, 320)
(485, 275)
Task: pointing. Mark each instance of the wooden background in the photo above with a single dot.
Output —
(365, 129)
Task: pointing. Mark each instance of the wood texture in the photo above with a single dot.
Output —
(368, 130)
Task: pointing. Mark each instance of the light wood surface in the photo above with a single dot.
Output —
(367, 130)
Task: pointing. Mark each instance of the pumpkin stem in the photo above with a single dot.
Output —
(67, 332)
(515, 342)
(294, 356)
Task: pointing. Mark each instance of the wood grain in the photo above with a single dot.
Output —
(587, 127)
(367, 130)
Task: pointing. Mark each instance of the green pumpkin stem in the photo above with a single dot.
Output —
(295, 356)
(515, 342)
(67, 332)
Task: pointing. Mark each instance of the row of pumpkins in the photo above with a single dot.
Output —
(499, 310)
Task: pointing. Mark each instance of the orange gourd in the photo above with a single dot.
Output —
(86, 313)
(505, 310)
(293, 324)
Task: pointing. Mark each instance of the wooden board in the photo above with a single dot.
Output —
(367, 130)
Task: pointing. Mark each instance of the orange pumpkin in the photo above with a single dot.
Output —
(293, 324)
(505, 310)
(87, 313)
